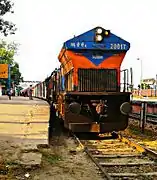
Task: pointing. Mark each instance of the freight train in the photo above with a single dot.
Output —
(86, 90)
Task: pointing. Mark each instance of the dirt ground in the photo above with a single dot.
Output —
(61, 162)
(64, 161)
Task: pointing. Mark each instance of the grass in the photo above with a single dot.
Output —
(7, 170)
(148, 134)
(50, 157)
(11, 163)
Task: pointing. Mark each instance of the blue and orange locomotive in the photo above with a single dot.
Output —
(85, 90)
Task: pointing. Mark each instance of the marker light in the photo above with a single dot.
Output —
(99, 31)
(99, 38)
(106, 33)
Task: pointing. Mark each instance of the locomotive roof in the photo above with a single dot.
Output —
(86, 41)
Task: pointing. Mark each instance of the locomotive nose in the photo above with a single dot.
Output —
(125, 108)
(75, 107)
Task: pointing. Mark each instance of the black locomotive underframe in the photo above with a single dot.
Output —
(88, 120)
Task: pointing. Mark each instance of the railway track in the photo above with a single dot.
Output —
(121, 158)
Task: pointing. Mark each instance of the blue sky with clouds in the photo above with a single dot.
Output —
(43, 26)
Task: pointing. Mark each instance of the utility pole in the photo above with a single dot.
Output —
(9, 81)
(155, 85)
(141, 76)
(9, 77)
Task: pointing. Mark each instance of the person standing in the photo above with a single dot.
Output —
(9, 92)
(30, 92)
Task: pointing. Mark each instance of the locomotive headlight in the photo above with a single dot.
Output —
(125, 108)
(75, 107)
(99, 31)
(99, 38)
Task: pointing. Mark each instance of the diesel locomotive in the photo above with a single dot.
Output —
(86, 90)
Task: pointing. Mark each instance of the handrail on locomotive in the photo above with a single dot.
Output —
(127, 86)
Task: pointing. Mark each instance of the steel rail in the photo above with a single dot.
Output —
(85, 149)
(141, 149)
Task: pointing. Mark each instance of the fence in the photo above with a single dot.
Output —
(141, 113)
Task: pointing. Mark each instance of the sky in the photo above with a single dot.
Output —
(43, 26)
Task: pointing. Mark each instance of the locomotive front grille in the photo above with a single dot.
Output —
(97, 80)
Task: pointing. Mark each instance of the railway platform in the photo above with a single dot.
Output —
(23, 126)
(24, 120)
(146, 99)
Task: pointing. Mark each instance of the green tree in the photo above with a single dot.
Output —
(16, 75)
(142, 86)
(6, 27)
(7, 52)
